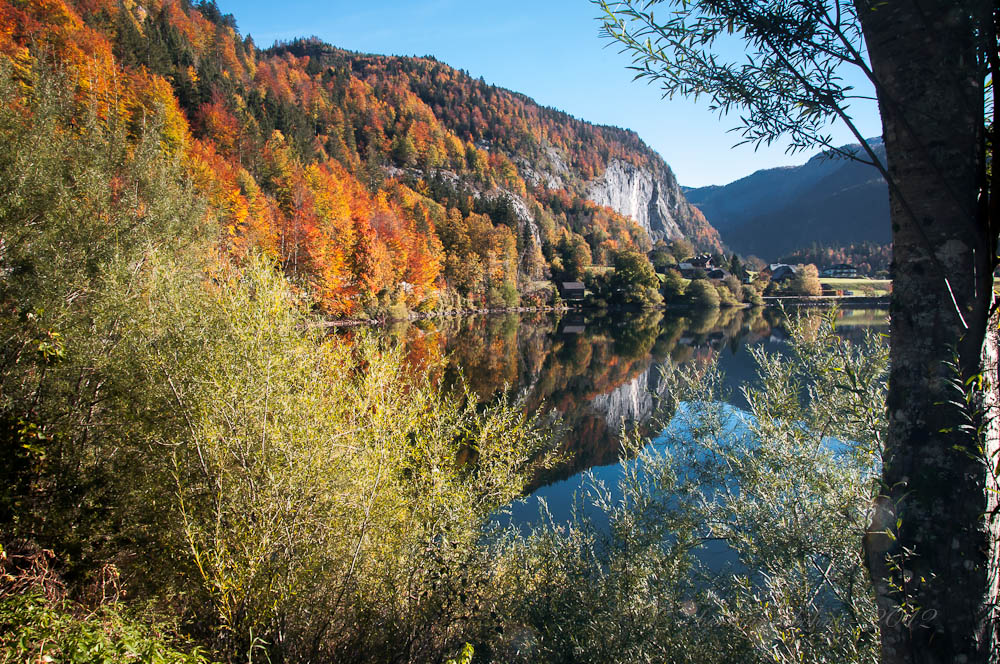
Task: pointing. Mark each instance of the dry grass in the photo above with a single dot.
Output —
(859, 286)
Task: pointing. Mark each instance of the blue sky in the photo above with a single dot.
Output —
(549, 50)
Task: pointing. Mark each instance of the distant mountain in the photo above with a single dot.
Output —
(829, 201)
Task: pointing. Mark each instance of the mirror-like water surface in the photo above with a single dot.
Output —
(600, 373)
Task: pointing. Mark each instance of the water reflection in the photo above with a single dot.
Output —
(600, 373)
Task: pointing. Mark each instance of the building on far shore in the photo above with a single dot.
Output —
(778, 272)
(690, 268)
(572, 290)
(840, 271)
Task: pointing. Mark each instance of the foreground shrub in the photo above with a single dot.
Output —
(350, 492)
(38, 624)
(285, 493)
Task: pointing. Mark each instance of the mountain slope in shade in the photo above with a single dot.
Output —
(827, 201)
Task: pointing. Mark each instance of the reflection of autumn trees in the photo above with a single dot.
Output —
(529, 356)
(568, 372)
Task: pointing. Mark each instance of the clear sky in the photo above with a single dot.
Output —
(549, 50)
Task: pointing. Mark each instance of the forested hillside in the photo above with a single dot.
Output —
(868, 259)
(373, 181)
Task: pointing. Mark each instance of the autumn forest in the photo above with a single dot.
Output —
(371, 180)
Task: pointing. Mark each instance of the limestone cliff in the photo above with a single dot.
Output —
(653, 198)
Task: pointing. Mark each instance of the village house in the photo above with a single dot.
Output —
(704, 261)
(840, 271)
(689, 267)
(572, 290)
(778, 272)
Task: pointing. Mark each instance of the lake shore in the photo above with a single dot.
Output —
(450, 313)
(789, 300)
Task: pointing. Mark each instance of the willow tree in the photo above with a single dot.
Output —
(932, 545)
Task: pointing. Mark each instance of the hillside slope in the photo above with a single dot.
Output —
(546, 148)
(373, 181)
(773, 212)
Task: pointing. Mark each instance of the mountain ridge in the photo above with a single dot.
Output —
(777, 211)
(542, 158)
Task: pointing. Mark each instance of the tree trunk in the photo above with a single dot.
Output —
(930, 547)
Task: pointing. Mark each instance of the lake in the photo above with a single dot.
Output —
(600, 373)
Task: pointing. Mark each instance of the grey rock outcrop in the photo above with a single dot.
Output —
(525, 218)
(548, 170)
(654, 200)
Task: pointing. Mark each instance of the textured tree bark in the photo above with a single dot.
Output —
(931, 545)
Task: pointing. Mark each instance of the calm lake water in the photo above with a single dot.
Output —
(600, 373)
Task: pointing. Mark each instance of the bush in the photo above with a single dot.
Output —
(38, 624)
(336, 474)
(494, 298)
(509, 294)
(397, 311)
(633, 283)
(58, 631)
(805, 282)
(430, 303)
(726, 297)
(702, 293)
(735, 287)
(672, 288)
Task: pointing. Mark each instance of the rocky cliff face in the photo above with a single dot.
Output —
(654, 199)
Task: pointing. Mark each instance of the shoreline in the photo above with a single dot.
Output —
(821, 300)
(790, 300)
(451, 313)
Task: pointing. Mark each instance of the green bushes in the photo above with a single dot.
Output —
(287, 494)
(672, 288)
(505, 295)
(633, 283)
(35, 629)
(726, 296)
(38, 624)
(702, 293)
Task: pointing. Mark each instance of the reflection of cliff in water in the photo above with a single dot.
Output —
(601, 373)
